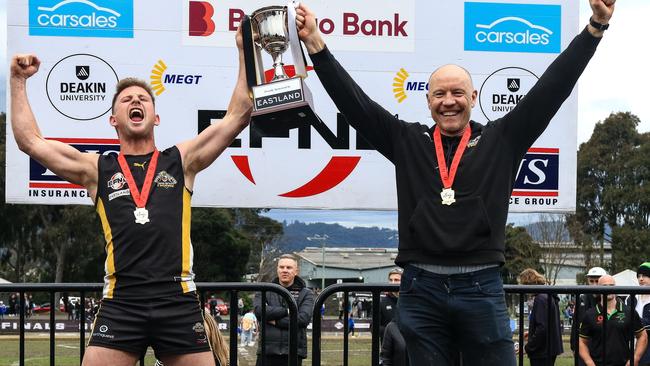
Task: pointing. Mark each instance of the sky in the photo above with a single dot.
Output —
(616, 79)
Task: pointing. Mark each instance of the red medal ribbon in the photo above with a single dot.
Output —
(447, 177)
(140, 199)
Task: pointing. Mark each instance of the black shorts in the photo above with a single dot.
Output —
(170, 325)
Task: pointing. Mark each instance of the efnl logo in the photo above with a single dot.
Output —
(81, 18)
(513, 27)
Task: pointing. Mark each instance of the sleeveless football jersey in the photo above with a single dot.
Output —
(152, 259)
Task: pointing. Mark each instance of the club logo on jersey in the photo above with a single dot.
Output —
(117, 181)
(198, 328)
(165, 180)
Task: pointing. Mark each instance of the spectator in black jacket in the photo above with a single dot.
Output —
(539, 325)
(388, 303)
(452, 226)
(277, 315)
(393, 348)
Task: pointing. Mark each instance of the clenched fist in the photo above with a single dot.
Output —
(24, 66)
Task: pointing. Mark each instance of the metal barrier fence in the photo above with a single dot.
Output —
(346, 289)
(376, 289)
(232, 287)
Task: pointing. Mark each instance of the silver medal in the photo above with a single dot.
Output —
(141, 215)
(448, 196)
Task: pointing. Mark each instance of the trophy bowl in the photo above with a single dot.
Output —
(272, 34)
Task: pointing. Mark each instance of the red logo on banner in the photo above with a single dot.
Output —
(335, 171)
(201, 23)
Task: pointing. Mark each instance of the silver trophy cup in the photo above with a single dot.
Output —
(270, 28)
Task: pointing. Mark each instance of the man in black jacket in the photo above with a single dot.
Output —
(277, 315)
(388, 303)
(452, 226)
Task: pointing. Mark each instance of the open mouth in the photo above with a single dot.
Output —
(136, 115)
(450, 113)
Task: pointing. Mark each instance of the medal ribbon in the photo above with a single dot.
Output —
(140, 199)
(447, 177)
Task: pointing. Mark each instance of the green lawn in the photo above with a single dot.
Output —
(67, 352)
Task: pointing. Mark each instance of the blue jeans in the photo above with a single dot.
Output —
(440, 315)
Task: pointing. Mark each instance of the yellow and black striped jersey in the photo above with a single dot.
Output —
(152, 259)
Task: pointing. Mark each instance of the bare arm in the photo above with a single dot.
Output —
(200, 152)
(641, 345)
(583, 346)
(62, 159)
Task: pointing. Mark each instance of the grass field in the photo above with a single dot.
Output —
(37, 352)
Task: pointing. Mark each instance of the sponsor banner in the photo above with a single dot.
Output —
(502, 27)
(46, 186)
(347, 25)
(186, 51)
(12, 326)
(81, 18)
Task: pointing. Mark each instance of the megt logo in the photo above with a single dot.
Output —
(41, 177)
(513, 27)
(81, 18)
(160, 77)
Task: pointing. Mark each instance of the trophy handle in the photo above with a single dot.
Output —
(252, 56)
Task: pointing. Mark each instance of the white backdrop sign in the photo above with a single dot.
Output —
(186, 49)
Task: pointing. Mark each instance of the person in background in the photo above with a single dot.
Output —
(585, 302)
(388, 303)
(642, 306)
(249, 327)
(621, 323)
(539, 351)
(276, 337)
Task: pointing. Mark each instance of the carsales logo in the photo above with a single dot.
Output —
(81, 18)
(41, 177)
(503, 27)
(390, 23)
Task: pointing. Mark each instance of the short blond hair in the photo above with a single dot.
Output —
(530, 276)
(129, 82)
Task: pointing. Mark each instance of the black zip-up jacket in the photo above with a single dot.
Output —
(538, 329)
(393, 348)
(277, 336)
(472, 230)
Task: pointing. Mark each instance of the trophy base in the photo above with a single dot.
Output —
(287, 102)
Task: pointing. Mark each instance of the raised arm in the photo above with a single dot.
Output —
(65, 161)
(524, 124)
(374, 122)
(199, 152)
